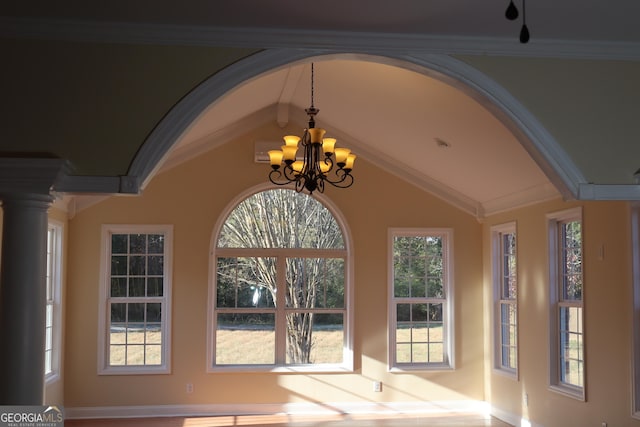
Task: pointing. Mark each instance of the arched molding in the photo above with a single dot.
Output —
(542, 147)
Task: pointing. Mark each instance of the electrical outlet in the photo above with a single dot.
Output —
(189, 388)
(377, 386)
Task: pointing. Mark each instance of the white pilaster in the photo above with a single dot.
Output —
(25, 186)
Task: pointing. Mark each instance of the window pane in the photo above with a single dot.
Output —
(118, 265)
(156, 265)
(315, 282)
(508, 338)
(137, 265)
(119, 243)
(245, 339)
(418, 271)
(246, 282)
(419, 333)
(118, 287)
(136, 287)
(571, 256)
(154, 312)
(137, 243)
(154, 286)
(571, 347)
(156, 243)
(135, 312)
(118, 312)
(314, 338)
(280, 219)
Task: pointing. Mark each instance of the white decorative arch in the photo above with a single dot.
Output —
(540, 145)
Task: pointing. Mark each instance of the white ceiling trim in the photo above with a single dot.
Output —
(530, 196)
(338, 41)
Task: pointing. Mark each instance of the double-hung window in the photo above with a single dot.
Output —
(505, 281)
(421, 299)
(567, 366)
(53, 315)
(135, 308)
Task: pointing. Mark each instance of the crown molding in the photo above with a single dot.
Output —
(338, 41)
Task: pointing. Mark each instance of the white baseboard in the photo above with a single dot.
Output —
(513, 419)
(433, 407)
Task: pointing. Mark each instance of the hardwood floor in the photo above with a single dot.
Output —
(346, 420)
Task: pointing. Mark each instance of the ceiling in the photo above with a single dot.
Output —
(577, 20)
(422, 129)
(428, 132)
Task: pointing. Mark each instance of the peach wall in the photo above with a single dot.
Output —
(607, 297)
(191, 197)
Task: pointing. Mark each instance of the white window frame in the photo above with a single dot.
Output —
(635, 240)
(448, 314)
(499, 300)
(53, 316)
(104, 315)
(556, 303)
(347, 364)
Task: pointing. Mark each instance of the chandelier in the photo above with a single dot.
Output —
(321, 162)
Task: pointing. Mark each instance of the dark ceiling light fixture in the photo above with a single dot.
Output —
(321, 162)
(512, 14)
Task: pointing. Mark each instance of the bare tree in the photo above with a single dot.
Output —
(286, 219)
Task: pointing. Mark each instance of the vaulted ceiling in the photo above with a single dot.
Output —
(426, 130)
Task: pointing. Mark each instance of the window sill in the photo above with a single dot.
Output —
(294, 369)
(421, 368)
(507, 373)
(135, 370)
(576, 393)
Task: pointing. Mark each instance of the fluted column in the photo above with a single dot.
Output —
(25, 194)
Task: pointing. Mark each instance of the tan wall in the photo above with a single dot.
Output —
(607, 296)
(191, 197)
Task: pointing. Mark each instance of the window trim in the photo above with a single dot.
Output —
(554, 220)
(56, 299)
(347, 365)
(497, 254)
(448, 318)
(103, 315)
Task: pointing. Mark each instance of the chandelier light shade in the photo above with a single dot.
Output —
(321, 162)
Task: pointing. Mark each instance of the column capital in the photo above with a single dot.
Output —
(20, 176)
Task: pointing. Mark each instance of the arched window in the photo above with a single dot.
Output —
(280, 288)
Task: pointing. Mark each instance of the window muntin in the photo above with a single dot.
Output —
(420, 303)
(280, 286)
(53, 284)
(505, 279)
(136, 289)
(567, 312)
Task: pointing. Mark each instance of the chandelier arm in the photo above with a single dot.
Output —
(345, 180)
(278, 178)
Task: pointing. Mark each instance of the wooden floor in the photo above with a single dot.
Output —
(346, 420)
